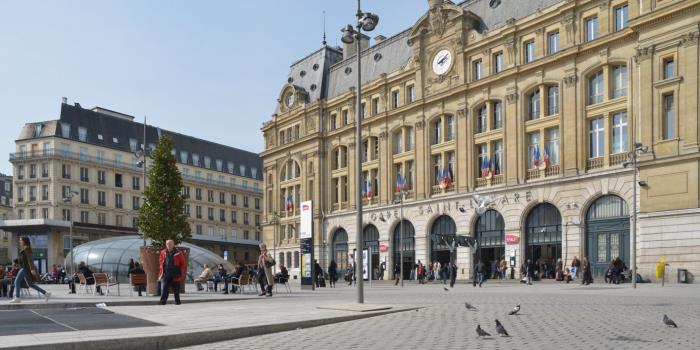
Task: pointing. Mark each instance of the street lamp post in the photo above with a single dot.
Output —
(632, 160)
(365, 21)
(67, 199)
(275, 218)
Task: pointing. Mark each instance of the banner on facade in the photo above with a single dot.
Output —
(306, 219)
(365, 264)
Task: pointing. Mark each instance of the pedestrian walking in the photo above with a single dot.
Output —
(529, 271)
(575, 264)
(332, 273)
(172, 271)
(318, 273)
(480, 271)
(27, 273)
(559, 274)
(453, 274)
(265, 277)
(587, 273)
(397, 274)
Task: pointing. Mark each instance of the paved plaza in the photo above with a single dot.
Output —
(553, 316)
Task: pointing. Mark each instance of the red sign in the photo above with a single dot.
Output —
(512, 239)
(383, 248)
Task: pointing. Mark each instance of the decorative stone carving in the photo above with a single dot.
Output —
(604, 5)
(462, 112)
(383, 135)
(690, 39)
(644, 53)
(419, 125)
(438, 20)
(570, 80)
(512, 95)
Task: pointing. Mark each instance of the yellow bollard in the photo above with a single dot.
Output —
(661, 269)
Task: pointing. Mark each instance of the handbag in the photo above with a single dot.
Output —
(270, 262)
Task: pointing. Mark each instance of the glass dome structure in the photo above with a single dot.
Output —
(112, 255)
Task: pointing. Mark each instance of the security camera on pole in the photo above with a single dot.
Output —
(365, 21)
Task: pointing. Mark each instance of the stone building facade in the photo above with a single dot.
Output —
(93, 154)
(536, 104)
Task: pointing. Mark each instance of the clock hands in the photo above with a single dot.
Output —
(444, 58)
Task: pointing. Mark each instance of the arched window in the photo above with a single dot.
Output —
(618, 78)
(291, 171)
(340, 158)
(403, 140)
(489, 231)
(543, 233)
(404, 238)
(439, 245)
(340, 249)
(289, 260)
(607, 232)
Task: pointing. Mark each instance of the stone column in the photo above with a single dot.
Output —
(513, 140)
(688, 104)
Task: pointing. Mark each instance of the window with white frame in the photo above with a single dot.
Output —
(552, 100)
(498, 157)
(669, 118)
(533, 105)
(552, 150)
(497, 115)
(498, 62)
(477, 69)
(591, 28)
(597, 138)
(481, 116)
(595, 88)
(621, 17)
(619, 132)
(619, 80)
(529, 51)
(533, 145)
(553, 42)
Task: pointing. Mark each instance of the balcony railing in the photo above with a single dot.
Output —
(55, 153)
(497, 180)
(373, 201)
(552, 170)
(594, 163)
(533, 173)
(481, 181)
(617, 158)
(437, 189)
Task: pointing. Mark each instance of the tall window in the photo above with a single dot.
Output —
(344, 116)
(552, 100)
(669, 119)
(481, 157)
(619, 80)
(395, 99)
(597, 138)
(529, 51)
(498, 157)
(481, 119)
(498, 62)
(669, 68)
(410, 93)
(409, 174)
(375, 106)
(398, 142)
(409, 138)
(552, 149)
(534, 105)
(533, 146)
(553, 42)
(497, 115)
(437, 131)
(591, 28)
(450, 127)
(437, 168)
(477, 70)
(595, 88)
(82, 134)
(619, 131)
(620, 17)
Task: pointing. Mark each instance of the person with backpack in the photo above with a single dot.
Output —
(332, 273)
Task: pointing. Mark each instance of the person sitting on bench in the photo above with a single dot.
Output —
(283, 275)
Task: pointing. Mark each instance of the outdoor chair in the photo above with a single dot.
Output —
(84, 282)
(241, 282)
(101, 280)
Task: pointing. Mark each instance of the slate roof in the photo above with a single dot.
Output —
(113, 126)
(494, 18)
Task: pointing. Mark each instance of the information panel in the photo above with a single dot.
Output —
(306, 239)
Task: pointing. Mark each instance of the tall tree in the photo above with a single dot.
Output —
(162, 216)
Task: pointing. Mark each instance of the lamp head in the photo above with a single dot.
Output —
(369, 21)
(348, 33)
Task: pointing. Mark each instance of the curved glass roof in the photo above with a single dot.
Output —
(112, 255)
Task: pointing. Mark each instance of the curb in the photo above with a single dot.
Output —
(70, 305)
(172, 341)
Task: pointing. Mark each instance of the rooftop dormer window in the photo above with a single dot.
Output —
(65, 130)
(37, 130)
(115, 140)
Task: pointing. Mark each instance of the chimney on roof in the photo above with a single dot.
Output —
(379, 38)
(64, 100)
(350, 50)
(77, 105)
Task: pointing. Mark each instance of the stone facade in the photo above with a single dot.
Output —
(528, 104)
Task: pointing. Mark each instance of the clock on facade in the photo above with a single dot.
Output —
(442, 62)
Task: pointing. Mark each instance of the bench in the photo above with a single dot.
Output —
(84, 282)
(102, 280)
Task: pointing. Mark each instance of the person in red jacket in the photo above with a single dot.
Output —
(172, 271)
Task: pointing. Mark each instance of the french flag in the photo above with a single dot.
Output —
(492, 168)
(368, 189)
(400, 183)
(485, 167)
(446, 178)
(536, 156)
(546, 157)
(290, 203)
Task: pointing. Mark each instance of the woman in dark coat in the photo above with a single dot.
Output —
(27, 273)
(332, 273)
(587, 274)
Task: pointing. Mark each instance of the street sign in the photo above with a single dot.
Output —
(512, 239)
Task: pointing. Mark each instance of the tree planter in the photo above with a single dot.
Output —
(150, 258)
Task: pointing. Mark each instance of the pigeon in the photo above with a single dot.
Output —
(501, 330)
(669, 322)
(446, 290)
(480, 332)
(470, 306)
(515, 310)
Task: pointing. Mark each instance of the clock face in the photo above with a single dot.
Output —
(442, 62)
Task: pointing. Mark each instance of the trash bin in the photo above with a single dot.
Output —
(682, 276)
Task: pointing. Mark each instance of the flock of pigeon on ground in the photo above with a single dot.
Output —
(500, 330)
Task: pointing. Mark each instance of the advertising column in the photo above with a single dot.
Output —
(307, 245)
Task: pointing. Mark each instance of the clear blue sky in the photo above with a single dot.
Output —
(210, 69)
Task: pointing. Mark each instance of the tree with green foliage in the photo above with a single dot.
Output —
(162, 216)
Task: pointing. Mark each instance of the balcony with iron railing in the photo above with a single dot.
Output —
(67, 155)
(617, 158)
(595, 163)
(441, 189)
